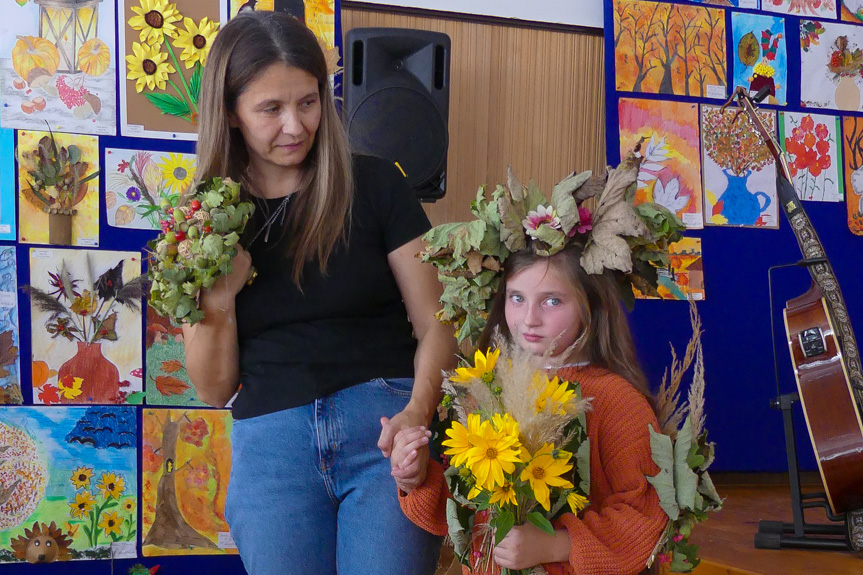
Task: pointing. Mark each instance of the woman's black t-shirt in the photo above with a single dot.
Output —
(344, 328)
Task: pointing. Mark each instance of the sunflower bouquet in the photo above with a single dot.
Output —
(517, 447)
(197, 245)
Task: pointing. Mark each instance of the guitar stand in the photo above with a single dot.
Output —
(799, 534)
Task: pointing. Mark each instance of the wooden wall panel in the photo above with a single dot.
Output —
(532, 98)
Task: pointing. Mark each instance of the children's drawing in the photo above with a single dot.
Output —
(831, 61)
(683, 278)
(852, 130)
(852, 11)
(164, 47)
(57, 66)
(7, 184)
(667, 48)
(739, 170)
(68, 474)
(671, 172)
(167, 380)
(58, 183)
(186, 465)
(137, 182)
(86, 326)
(811, 142)
(733, 3)
(760, 57)
(816, 8)
(10, 385)
(318, 15)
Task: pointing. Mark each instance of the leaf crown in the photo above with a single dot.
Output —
(630, 240)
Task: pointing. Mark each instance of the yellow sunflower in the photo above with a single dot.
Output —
(503, 494)
(81, 477)
(545, 470)
(155, 19)
(178, 171)
(111, 485)
(148, 67)
(111, 523)
(461, 439)
(576, 502)
(483, 368)
(195, 41)
(129, 505)
(555, 395)
(83, 504)
(493, 454)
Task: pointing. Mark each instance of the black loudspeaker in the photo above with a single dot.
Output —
(396, 105)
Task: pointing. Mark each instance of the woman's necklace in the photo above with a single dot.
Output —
(279, 213)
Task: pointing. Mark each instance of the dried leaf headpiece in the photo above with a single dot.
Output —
(617, 236)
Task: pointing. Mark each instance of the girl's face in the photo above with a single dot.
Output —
(278, 114)
(541, 305)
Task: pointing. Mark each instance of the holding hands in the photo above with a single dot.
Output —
(409, 457)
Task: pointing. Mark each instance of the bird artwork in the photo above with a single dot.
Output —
(248, 6)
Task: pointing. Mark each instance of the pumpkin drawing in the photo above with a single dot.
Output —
(31, 52)
(94, 56)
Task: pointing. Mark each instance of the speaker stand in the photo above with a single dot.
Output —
(798, 534)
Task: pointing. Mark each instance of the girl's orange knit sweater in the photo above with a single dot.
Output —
(620, 528)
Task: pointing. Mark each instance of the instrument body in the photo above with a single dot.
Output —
(823, 348)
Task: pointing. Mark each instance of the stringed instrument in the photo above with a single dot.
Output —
(823, 349)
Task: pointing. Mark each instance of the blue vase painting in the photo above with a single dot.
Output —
(740, 206)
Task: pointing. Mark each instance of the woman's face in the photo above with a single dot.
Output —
(542, 309)
(278, 114)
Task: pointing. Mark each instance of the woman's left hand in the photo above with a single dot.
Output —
(528, 546)
(405, 419)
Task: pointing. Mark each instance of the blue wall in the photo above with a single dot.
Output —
(736, 315)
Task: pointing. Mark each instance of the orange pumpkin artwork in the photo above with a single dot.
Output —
(60, 62)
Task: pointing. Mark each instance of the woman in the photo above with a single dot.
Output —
(320, 338)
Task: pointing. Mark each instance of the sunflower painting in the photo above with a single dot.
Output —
(138, 181)
(165, 46)
(73, 467)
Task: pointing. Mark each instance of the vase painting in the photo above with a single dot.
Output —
(86, 326)
(738, 169)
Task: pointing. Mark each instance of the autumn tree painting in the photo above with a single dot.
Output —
(186, 464)
(669, 48)
(852, 137)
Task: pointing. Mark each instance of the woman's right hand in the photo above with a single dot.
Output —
(226, 288)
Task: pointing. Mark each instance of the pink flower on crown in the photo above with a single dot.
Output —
(542, 215)
(585, 222)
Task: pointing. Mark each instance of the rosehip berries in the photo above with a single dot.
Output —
(195, 205)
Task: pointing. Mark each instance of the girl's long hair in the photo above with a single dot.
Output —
(246, 46)
(606, 340)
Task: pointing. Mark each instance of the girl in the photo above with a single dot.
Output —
(320, 339)
(550, 304)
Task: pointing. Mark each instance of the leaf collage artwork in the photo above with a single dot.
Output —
(58, 184)
(86, 325)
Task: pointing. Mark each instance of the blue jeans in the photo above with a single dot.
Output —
(311, 494)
